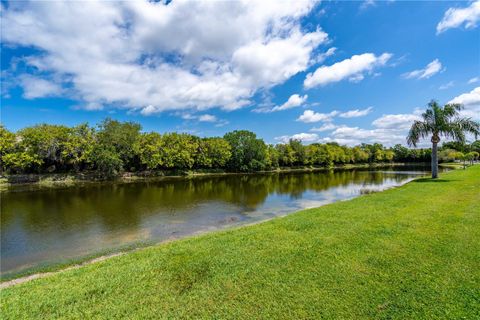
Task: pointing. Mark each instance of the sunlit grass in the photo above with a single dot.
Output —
(406, 253)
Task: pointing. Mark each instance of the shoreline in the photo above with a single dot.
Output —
(62, 180)
(32, 273)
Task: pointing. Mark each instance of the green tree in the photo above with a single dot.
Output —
(475, 146)
(360, 155)
(378, 155)
(438, 121)
(286, 154)
(475, 155)
(388, 155)
(447, 155)
(78, 147)
(272, 157)
(472, 156)
(13, 157)
(213, 153)
(299, 152)
(120, 138)
(7, 145)
(46, 143)
(149, 147)
(325, 155)
(248, 152)
(461, 146)
(107, 160)
(401, 153)
(179, 150)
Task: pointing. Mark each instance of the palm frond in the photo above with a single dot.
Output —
(455, 133)
(429, 116)
(442, 121)
(452, 110)
(468, 125)
(418, 130)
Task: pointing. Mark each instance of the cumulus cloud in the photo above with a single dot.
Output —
(395, 121)
(471, 102)
(353, 69)
(34, 87)
(310, 116)
(355, 135)
(325, 127)
(356, 113)
(295, 100)
(148, 110)
(304, 137)
(456, 17)
(157, 56)
(207, 118)
(389, 129)
(431, 69)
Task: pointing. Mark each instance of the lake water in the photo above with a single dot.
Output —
(52, 225)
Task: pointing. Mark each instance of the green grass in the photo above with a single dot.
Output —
(406, 253)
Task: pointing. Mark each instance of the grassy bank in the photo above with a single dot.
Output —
(411, 252)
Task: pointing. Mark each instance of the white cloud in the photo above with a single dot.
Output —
(304, 137)
(310, 116)
(90, 106)
(356, 135)
(456, 17)
(395, 121)
(367, 3)
(148, 110)
(353, 69)
(447, 85)
(207, 118)
(325, 127)
(473, 80)
(295, 100)
(356, 113)
(431, 69)
(471, 102)
(348, 142)
(34, 87)
(323, 56)
(389, 129)
(184, 55)
(188, 116)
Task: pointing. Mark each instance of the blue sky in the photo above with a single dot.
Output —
(349, 72)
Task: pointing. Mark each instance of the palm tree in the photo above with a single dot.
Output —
(441, 121)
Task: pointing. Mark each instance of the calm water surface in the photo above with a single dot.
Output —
(47, 226)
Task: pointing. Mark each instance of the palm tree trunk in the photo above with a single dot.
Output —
(434, 161)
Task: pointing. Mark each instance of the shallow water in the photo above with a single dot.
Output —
(48, 226)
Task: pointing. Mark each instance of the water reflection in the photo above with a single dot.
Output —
(51, 225)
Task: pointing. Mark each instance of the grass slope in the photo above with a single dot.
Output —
(406, 253)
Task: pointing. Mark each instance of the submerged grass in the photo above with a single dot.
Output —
(59, 265)
(407, 253)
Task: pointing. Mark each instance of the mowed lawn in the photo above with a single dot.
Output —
(407, 253)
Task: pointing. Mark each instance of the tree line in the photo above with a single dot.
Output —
(113, 147)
